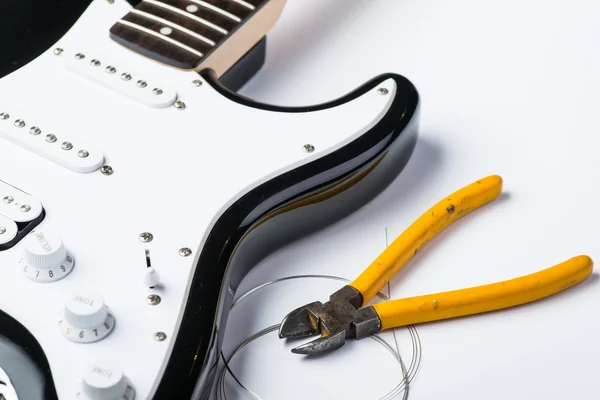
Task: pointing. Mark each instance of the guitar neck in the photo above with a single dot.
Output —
(196, 34)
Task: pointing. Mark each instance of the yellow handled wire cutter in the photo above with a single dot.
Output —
(344, 317)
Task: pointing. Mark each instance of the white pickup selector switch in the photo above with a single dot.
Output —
(86, 318)
(45, 258)
(104, 380)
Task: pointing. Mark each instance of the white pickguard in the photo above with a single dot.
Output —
(175, 171)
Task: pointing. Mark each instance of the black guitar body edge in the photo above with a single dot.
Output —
(277, 212)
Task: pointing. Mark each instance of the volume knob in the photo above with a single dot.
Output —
(46, 259)
(86, 319)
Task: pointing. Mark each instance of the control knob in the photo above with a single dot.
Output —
(86, 319)
(45, 258)
(104, 380)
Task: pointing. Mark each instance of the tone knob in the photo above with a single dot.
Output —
(104, 380)
(86, 319)
(46, 259)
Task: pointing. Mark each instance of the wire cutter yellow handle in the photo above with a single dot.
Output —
(435, 220)
(484, 298)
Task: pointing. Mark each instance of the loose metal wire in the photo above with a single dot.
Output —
(407, 374)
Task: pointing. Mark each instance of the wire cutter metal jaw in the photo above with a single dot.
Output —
(338, 319)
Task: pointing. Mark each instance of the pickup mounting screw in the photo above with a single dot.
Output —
(2, 230)
(179, 104)
(110, 1)
(153, 299)
(157, 91)
(197, 82)
(58, 51)
(83, 153)
(185, 252)
(383, 91)
(146, 237)
(309, 148)
(106, 170)
(160, 336)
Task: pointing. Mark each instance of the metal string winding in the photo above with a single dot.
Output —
(407, 374)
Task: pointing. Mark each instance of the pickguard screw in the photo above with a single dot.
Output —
(142, 84)
(197, 82)
(35, 131)
(8, 199)
(153, 299)
(160, 336)
(95, 63)
(179, 104)
(67, 146)
(125, 76)
(2, 230)
(309, 148)
(383, 91)
(106, 170)
(79, 56)
(146, 237)
(50, 138)
(19, 123)
(110, 69)
(58, 51)
(185, 252)
(4, 116)
(110, 1)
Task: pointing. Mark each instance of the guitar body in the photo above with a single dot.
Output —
(219, 181)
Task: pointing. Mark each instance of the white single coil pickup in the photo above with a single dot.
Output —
(22, 130)
(110, 74)
(8, 229)
(17, 205)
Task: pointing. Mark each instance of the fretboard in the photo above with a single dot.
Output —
(186, 33)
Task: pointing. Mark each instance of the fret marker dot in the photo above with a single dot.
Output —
(192, 8)
(165, 30)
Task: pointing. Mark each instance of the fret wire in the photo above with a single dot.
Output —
(158, 35)
(173, 25)
(243, 3)
(217, 10)
(188, 15)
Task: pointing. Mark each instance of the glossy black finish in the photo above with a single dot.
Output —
(247, 66)
(18, 335)
(277, 212)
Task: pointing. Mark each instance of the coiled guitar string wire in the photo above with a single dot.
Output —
(407, 374)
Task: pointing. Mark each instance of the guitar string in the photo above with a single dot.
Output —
(407, 374)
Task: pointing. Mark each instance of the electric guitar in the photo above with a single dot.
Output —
(137, 188)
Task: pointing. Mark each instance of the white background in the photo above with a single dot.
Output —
(508, 87)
